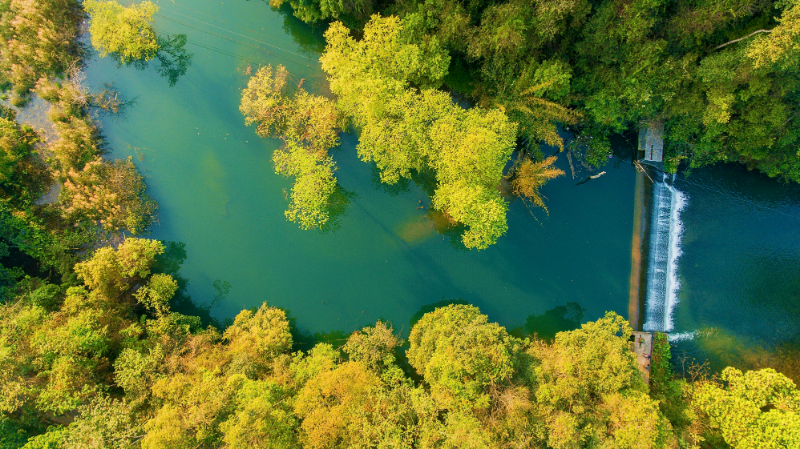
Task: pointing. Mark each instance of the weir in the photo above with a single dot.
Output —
(664, 249)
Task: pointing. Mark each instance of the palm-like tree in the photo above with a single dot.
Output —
(529, 176)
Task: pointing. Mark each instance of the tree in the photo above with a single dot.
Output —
(586, 386)
(262, 418)
(38, 39)
(309, 126)
(255, 339)
(373, 346)
(460, 355)
(756, 409)
(782, 42)
(530, 176)
(124, 33)
(111, 195)
(404, 129)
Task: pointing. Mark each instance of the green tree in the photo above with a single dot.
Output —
(404, 129)
(756, 409)
(125, 33)
(587, 387)
(309, 126)
(461, 355)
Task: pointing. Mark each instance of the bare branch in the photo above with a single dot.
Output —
(741, 38)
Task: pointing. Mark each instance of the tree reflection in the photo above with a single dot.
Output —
(555, 320)
(172, 56)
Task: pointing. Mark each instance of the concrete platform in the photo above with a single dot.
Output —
(651, 141)
(642, 347)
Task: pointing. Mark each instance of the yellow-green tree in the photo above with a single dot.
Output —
(125, 33)
(404, 128)
(308, 125)
(754, 410)
(461, 355)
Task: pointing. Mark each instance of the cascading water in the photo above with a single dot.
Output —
(665, 249)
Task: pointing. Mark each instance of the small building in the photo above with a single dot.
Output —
(651, 141)
(642, 347)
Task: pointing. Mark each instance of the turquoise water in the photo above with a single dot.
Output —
(740, 270)
(214, 182)
(212, 176)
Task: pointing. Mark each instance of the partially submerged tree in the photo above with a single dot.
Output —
(309, 126)
(125, 33)
(404, 129)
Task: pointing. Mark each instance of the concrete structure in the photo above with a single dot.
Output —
(642, 347)
(651, 141)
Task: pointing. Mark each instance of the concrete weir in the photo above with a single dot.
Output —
(636, 279)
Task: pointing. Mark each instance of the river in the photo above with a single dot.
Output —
(218, 194)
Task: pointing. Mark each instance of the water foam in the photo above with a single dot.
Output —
(665, 250)
(681, 336)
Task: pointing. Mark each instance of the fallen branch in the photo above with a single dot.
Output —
(741, 38)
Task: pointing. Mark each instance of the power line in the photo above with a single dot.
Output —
(220, 19)
(242, 35)
(229, 39)
(320, 86)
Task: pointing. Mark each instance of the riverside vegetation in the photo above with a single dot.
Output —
(93, 355)
(718, 75)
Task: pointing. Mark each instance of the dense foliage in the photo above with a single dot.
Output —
(124, 32)
(39, 39)
(92, 354)
(721, 75)
(106, 363)
(308, 125)
(385, 85)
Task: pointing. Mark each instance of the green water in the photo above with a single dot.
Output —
(740, 270)
(219, 195)
(214, 182)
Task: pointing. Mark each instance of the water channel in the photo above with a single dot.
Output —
(739, 296)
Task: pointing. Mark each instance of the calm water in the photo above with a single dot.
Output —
(740, 270)
(219, 195)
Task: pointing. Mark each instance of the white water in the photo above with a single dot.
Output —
(666, 230)
(681, 336)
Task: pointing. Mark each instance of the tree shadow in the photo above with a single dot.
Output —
(173, 58)
(337, 208)
(558, 319)
(309, 38)
(170, 263)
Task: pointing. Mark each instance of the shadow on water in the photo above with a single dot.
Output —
(424, 226)
(558, 319)
(401, 186)
(337, 208)
(304, 340)
(170, 263)
(309, 38)
(173, 58)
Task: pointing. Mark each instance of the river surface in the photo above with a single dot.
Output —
(218, 194)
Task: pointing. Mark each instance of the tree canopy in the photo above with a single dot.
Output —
(123, 32)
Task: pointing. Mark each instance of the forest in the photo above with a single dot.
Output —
(93, 353)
